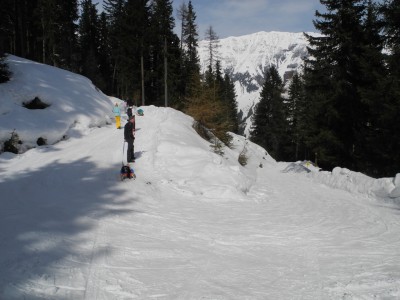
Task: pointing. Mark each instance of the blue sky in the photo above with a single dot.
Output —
(241, 17)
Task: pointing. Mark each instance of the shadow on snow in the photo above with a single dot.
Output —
(48, 218)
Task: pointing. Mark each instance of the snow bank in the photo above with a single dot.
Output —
(296, 168)
(395, 193)
(191, 165)
(74, 103)
(356, 182)
(345, 179)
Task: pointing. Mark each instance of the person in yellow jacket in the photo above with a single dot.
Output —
(117, 114)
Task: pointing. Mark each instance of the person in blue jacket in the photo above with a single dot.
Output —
(117, 114)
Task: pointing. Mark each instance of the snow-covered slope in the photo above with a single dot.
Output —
(193, 225)
(73, 102)
(246, 58)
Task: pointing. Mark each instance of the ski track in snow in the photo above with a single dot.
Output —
(154, 238)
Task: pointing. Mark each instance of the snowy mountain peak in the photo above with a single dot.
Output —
(252, 53)
(245, 59)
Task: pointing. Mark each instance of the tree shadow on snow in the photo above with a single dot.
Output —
(49, 227)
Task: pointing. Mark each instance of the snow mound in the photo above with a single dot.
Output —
(296, 168)
(356, 182)
(73, 103)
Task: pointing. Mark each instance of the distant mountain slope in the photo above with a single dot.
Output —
(246, 58)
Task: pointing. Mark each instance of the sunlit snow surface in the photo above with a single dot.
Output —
(193, 225)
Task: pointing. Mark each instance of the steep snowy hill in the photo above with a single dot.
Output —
(193, 225)
(245, 59)
(69, 103)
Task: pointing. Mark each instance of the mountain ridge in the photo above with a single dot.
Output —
(246, 58)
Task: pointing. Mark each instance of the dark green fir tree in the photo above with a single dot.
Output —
(269, 119)
(337, 80)
(165, 55)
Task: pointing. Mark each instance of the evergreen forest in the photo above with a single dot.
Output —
(343, 109)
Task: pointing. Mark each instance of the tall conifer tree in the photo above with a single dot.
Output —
(389, 116)
(334, 78)
(213, 44)
(297, 108)
(89, 43)
(229, 100)
(269, 119)
(67, 44)
(114, 10)
(164, 48)
(105, 54)
(134, 28)
(191, 61)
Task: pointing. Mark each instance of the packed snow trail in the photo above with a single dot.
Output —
(193, 225)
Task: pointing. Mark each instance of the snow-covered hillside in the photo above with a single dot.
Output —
(193, 225)
(245, 59)
(74, 103)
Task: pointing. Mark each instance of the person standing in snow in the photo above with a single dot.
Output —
(129, 136)
(129, 112)
(129, 102)
(117, 114)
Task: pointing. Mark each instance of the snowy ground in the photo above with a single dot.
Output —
(193, 225)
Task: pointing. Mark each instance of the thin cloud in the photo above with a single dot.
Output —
(298, 8)
(248, 8)
(240, 17)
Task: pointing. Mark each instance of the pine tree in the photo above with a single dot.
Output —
(269, 119)
(229, 100)
(207, 113)
(134, 28)
(46, 12)
(114, 10)
(389, 114)
(334, 78)
(6, 26)
(189, 42)
(297, 108)
(105, 54)
(5, 38)
(213, 56)
(57, 22)
(211, 100)
(67, 41)
(18, 30)
(372, 74)
(89, 43)
(391, 13)
(182, 16)
(5, 74)
(165, 56)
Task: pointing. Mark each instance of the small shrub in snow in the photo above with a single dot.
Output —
(11, 145)
(35, 104)
(202, 131)
(243, 156)
(41, 141)
(5, 74)
(218, 147)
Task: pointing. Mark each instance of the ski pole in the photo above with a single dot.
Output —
(123, 150)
